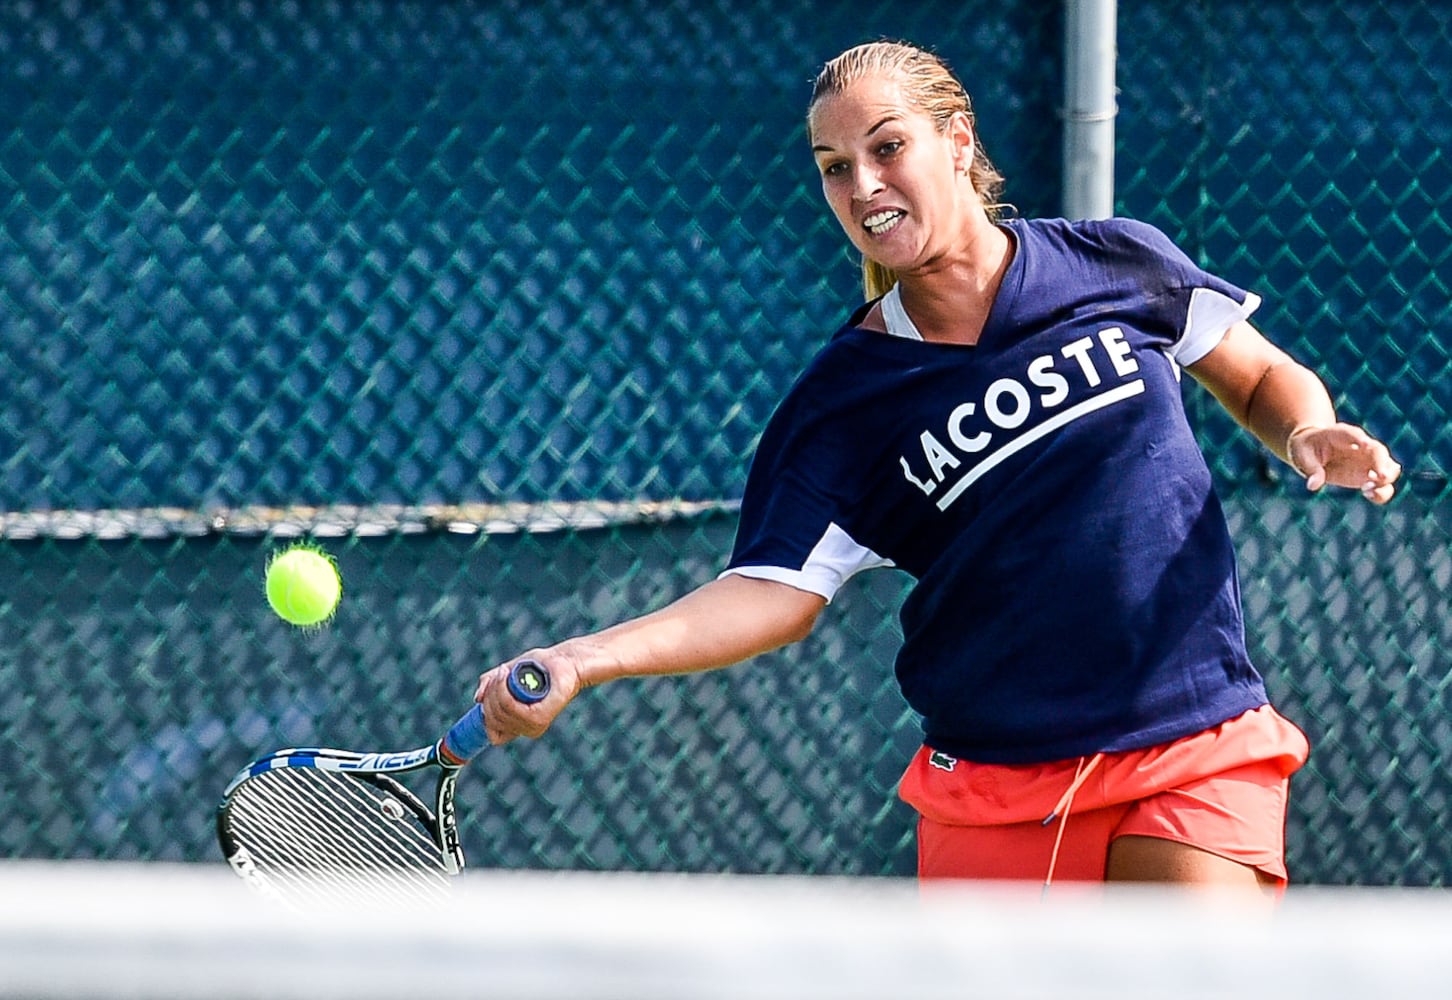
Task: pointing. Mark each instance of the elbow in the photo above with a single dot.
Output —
(800, 627)
(800, 623)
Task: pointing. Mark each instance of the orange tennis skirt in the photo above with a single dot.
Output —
(1223, 790)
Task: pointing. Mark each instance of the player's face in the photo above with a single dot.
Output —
(895, 182)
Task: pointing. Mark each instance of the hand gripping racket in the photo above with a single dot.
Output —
(315, 825)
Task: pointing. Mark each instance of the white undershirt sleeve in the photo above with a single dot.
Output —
(1210, 316)
(832, 562)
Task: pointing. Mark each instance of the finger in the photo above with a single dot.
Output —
(1316, 479)
(1381, 473)
(496, 726)
(1379, 486)
(1386, 468)
(486, 680)
(1378, 494)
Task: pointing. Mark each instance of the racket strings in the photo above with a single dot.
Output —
(291, 850)
(352, 828)
(318, 876)
(321, 835)
(328, 818)
(320, 854)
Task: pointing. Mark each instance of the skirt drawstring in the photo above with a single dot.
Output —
(1061, 812)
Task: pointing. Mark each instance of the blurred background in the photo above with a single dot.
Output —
(492, 299)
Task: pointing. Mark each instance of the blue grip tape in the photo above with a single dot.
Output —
(467, 736)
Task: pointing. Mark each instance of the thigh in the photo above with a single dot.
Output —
(1019, 851)
(1152, 859)
(1228, 827)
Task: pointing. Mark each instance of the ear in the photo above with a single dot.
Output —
(960, 136)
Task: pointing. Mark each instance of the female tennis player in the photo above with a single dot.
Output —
(1002, 419)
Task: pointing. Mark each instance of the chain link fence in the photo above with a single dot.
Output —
(492, 300)
(1298, 149)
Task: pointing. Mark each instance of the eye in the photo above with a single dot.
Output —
(890, 148)
(836, 168)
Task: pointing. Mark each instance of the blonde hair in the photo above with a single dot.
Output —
(928, 84)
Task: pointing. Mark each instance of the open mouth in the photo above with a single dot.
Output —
(880, 222)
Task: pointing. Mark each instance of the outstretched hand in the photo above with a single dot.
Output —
(1343, 455)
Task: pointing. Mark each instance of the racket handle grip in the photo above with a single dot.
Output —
(527, 681)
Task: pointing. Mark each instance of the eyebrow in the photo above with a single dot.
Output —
(888, 118)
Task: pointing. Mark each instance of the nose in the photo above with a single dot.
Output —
(865, 182)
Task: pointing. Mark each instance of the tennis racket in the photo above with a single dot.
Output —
(316, 825)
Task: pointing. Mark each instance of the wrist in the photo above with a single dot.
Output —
(587, 660)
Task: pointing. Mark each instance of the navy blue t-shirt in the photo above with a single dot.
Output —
(1076, 588)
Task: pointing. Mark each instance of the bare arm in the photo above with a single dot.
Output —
(720, 623)
(1287, 407)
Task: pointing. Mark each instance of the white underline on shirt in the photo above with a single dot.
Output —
(1073, 413)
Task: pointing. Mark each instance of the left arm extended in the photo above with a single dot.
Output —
(1287, 407)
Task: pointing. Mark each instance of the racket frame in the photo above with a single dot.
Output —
(527, 681)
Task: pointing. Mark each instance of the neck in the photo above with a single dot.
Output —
(949, 300)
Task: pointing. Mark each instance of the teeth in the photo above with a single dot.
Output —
(878, 222)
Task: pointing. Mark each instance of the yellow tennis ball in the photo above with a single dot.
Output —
(303, 585)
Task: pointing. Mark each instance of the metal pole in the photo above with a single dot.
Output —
(1089, 108)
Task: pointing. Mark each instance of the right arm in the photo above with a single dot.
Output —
(725, 621)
